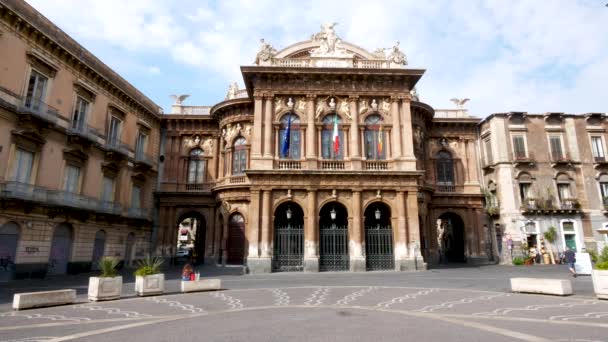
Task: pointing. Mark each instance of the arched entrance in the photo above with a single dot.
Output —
(61, 249)
(129, 249)
(378, 237)
(333, 238)
(98, 248)
(192, 230)
(450, 238)
(9, 238)
(288, 238)
(235, 244)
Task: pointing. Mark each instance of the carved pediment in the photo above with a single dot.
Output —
(110, 169)
(75, 155)
(28, 138)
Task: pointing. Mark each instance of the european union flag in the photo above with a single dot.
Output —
(286, 138)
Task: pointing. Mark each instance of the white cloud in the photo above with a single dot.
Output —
(504, 55)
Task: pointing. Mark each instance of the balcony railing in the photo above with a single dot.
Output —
(108, 207)
(449, 188)
(561, 158)
(522, 157)
(138, 213)
(238, 179)
(290, 165)
(600, 160)
(549, 206)
(332, 165)
(39, 109)
(197, 187)
(144, 158)
(72, 200)
(84, 131)
(376, 165)
(117, 146)
(570, 204)
(23, 191)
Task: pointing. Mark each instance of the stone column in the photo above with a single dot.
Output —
(400, 234)
(255, 262)
(268, 151)
(355, 244)
(256, 135)
(409, 160)
(355, 149)
(311, 151)
(311, 240)
(265, 241)
(413, 229)
(396, 142)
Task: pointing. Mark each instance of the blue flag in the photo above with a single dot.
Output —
(286, 138)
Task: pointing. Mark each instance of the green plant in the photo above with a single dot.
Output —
(551, 234)
(518, 261)
(603, 266)
(593, 256)
(107, 266)
(148, 266)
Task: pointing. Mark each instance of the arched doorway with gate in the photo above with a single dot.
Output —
(191, 233)
(378, 237)
(288, 238)
(9, 239)
(450, 238)
(61, 249)
(235, 242)
(99, 248)
(333, 238)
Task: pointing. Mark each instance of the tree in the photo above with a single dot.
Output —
(550, 236)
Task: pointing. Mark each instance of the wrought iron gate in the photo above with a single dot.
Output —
(333, 248)
(288, 249)
(379, 248)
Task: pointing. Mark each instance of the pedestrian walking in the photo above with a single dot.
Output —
(570, 259)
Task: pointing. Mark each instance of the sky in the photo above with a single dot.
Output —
(505, 55)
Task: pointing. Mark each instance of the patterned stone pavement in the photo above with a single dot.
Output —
(318, 313)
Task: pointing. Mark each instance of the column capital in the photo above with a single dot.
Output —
(268, 96)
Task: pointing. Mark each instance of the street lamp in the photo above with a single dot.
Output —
(377, 213)
(288, 213)
(332, 213)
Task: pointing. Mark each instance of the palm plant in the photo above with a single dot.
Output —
(550, 236)
(148, 266)
(107, 266)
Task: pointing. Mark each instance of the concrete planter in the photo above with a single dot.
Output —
(150, 285)
(600, 283)
(105, 288)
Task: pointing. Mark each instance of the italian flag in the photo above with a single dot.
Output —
(380, 140)
(336, 136)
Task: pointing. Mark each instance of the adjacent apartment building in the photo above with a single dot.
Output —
(78, 153)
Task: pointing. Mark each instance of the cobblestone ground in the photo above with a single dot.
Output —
(338, 312)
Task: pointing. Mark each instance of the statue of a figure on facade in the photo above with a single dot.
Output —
(179, 99)
(414, 94)
(265, 53)
(396, 56)
(233, 89)
(374, 105)
(345, 108)
(330, 43)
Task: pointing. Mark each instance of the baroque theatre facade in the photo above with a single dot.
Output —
(326, 161)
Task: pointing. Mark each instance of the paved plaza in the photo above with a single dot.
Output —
(460, 304)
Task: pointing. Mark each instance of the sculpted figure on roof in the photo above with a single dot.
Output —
(396, 56)
(265, 53)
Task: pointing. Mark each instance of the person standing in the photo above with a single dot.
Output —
(570, 259)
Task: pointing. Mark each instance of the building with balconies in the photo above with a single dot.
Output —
(78, 153)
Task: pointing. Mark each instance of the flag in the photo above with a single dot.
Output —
(336, 136)
(286, 138)
(380, 140)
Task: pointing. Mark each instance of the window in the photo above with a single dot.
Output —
(36, 90)
(597, 147)
(563, 191)
(488, 148)
(604, 189)
(136, 197)
(519, 147)
(196, 167)
(107, 191)
(80, 112)
(140, 145)
(114, 131)
(524, 190)
(290, 147)
(445, 168)
(569, 235)
(556, 147)
(22, 169)
(72, 179)
(332, 138)
(239, 156)
(375, 138)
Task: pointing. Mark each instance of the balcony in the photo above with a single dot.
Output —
(376, 165)
(561, 159)
(108, 207)
(541, 206)
(570, 204)
(238, 179)
(139, 213)
(84, 131)
(72, 200)
(39, 109)
(144, 160)
(116, 146)
(23, 191)
(449, 188)
(523, 159)
(600, 162)
(332, 165)
(287, 164)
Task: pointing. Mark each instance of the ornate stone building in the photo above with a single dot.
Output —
(78, 153)
(327, 160)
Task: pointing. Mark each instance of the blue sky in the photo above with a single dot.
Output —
(534, 56)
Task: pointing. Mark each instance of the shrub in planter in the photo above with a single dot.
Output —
(108, 285)
(518, 261)
(600, 275)
(148, 277)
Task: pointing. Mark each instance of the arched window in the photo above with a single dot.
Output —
(239, 156)
(445, 168)
(289, 147)
(196, 167)
(332, 138)
(375, 138)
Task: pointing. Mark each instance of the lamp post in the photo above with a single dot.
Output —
(332, 214)
(378, 214)
(288, 215)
